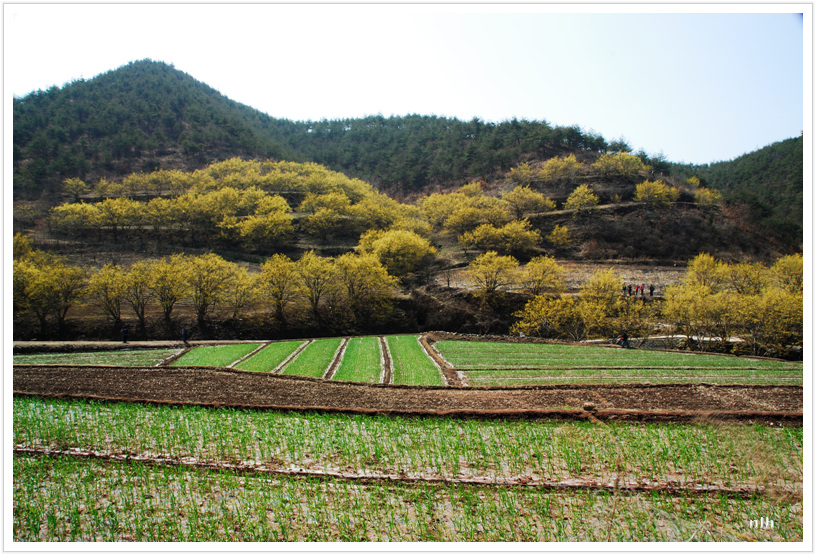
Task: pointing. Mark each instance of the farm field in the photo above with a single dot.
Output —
(477, 363)
(315, 359)
(628, 375)
(362, 361)
(348, 477)
(80, 500)
(411, 364)
(135, 357)
(493, 363)
(198, 463)
(270, 357)
(215, 355)
(474, 355)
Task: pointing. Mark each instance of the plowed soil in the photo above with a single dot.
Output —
(227, 387)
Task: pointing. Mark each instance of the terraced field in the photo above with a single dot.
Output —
(270, 357)
(122, 357)
(411, 364)
(215, 355)
(315, 359)
(146, 453)
(90, 471)
(362, 361)
(492, 363)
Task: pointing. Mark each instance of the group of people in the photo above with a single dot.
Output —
(639, 290)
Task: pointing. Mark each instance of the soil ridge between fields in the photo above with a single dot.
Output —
(673, 487)
(235, 388)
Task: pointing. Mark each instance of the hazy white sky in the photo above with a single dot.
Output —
(699, 87)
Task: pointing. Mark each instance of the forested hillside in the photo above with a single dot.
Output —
(147, 116)
(141, 117)
(768, 182)
(411, 154)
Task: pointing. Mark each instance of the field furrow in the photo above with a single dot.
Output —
(673, 487)
(338, 359)
(388, 369)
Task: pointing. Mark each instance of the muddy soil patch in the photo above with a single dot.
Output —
(229, 387)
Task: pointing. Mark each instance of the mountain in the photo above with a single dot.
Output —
(769, 182)
(141, 117)
(147, 115)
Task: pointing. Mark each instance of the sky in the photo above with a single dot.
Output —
(695, 86)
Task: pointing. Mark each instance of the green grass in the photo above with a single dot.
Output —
(84, 500)
(477, 355)
(315, 359)
(361, 361)
(215, 355)
(598, 376)
(410, 363)
(134, 357)
(268, 358)
(510, 364)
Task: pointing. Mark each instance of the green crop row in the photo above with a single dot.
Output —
(362, 361)
(472, 355)
(591, 376)
(268, 358)
(720, 454)
(411, 365)
(63, 499)
(125, 357)
(215, 355)
(596, 380)
(315, 359)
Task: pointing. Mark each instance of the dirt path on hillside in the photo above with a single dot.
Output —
(228, 387)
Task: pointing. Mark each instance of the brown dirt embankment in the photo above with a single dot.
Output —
(781, 404)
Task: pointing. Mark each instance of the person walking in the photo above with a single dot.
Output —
(184, 335)
(124, 334)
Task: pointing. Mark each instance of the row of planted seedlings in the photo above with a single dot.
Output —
(483, 363)
(65, 499)
(122, 357)
(135, 501)
(359, 359)
(494, 363)
(719, 454)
